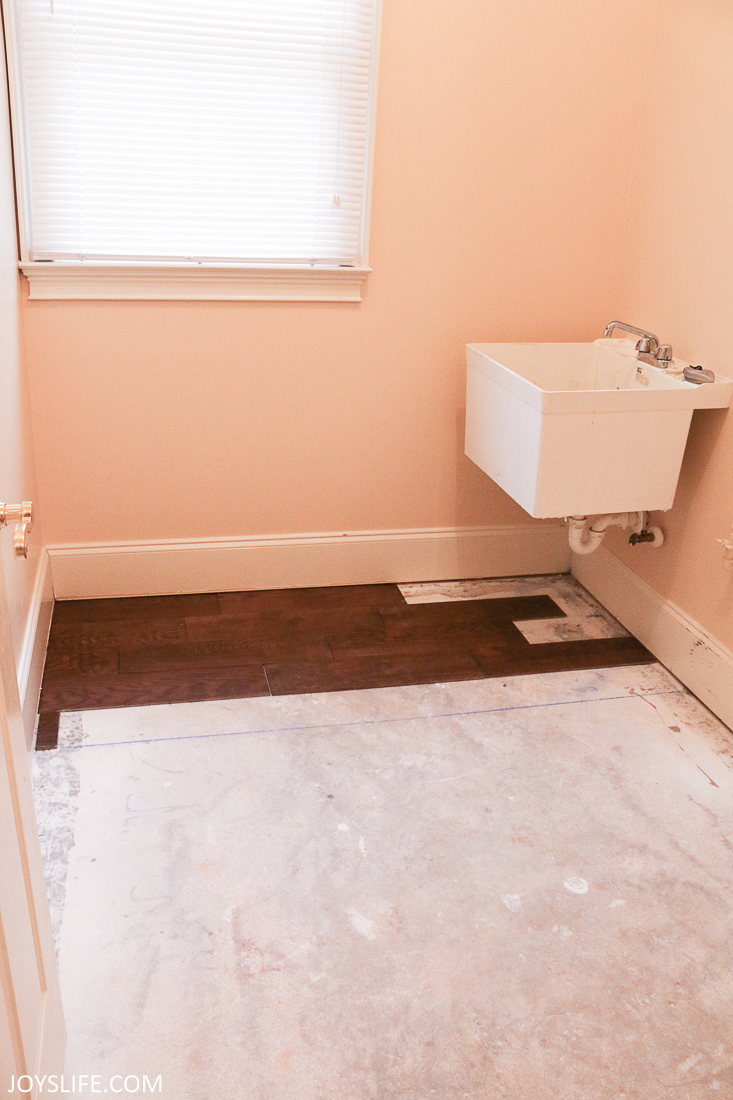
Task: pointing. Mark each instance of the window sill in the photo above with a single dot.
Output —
(129, 281)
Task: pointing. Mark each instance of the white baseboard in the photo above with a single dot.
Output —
(678, 641)
(292, 561)
(33, 649)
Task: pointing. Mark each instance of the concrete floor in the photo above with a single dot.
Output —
(518, 888)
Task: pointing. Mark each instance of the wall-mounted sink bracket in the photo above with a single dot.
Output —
(22, 516)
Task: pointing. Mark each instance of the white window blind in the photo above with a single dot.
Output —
(204, 130)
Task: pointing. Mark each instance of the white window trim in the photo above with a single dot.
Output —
(121, 281)
(117, 280)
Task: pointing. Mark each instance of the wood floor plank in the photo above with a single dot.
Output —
(284, 626)
(348, 674)
(146, 689)
(135, 607)
(412, 648)
(452, 614)
(523, 608)
(81, 658)
(47, 734)
(562, 656)
(211, 655)
(293, 600)
(450, 630)
(129, 632)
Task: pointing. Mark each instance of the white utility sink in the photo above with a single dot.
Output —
(581, 429)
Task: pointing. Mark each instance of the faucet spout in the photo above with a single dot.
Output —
(636, 332)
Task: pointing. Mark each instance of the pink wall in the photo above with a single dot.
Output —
(677, 279)
(503, 160)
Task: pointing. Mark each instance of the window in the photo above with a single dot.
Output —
(193, 141)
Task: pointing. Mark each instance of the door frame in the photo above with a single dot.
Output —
(32, 1030)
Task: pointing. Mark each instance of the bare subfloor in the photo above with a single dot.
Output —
(490, 889)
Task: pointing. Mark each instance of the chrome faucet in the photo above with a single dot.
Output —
(648, 349)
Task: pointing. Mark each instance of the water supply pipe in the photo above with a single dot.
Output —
(584, 539)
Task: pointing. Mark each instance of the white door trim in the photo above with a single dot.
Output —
(32, 1033)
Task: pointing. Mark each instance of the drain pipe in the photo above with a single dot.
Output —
(585, 540)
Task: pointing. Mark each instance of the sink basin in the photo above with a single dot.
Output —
(581, 429)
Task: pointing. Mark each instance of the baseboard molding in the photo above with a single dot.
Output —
(678, 641)
(367, 557)
(33, 649)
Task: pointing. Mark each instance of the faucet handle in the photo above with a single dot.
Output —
(664, 353)
(646, 346)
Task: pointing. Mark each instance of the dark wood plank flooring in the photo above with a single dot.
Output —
(176, 649)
